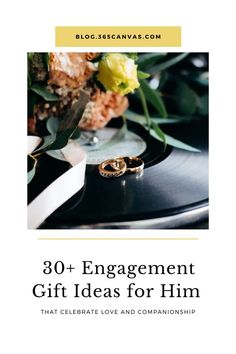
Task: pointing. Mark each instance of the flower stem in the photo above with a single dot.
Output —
(124, 122)
(145, 108)
(33, 155)
(150, 122)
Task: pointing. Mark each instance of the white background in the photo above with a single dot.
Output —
(206, 26)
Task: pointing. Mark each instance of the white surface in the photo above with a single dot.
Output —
(206, 26)
(60, 190)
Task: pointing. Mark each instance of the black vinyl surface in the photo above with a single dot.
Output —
(173, 182)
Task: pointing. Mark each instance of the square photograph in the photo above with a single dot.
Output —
(117, 140)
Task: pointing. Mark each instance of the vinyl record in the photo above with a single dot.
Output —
(171, 193)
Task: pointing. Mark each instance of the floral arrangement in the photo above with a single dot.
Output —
(77, 92)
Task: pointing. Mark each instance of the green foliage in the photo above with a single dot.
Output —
(61, 139)
(180, 95)
(186, 99)
(161, 135)
(146, 61)
(46, 59)
(154, 98)
(133, 56)
(76, 134)
(168, 63)
(157, 133)
(117, 137)
(142, 75)
(31, 173)
(138, 118)
(203, 105)
(48, 140)
(30, 55)
(43, 92)
(52, 125)
(174, 142)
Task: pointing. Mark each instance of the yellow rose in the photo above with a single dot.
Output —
(118, 73)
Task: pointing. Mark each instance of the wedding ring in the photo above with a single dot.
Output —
(107, 170)
(133, 164)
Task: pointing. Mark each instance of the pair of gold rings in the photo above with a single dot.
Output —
(120, 165)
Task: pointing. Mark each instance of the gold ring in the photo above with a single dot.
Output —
(115, 172)
(133, 164)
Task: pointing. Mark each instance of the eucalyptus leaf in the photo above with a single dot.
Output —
(31, 173)
(154, 98)
(56, 141)
(47, 141)
(61, 139)
(76, 134)
(52, 125)
(174, 142)
(43, 92)
(68, 126)
(168, 63)
(74, 114)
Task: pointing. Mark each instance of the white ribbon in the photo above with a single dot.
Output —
(63, 188)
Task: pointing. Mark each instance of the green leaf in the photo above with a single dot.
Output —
(76, 134)
(168, 63)
(61, 139)
(174, 142)
(74, 114)
(30, 55)
(202, 79)
(47, 141)
(31, 173)
(159, 133)
(145, 107)
(117, 137)
(138, 118)
(148, 60)
(55, 141)
(133, 56)
(43, 92)
(68, 126)
(154, 98)
(133, 117)
(203, 105)
(142, 75)
(186, 98)
(52, 125)
(29, 80)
